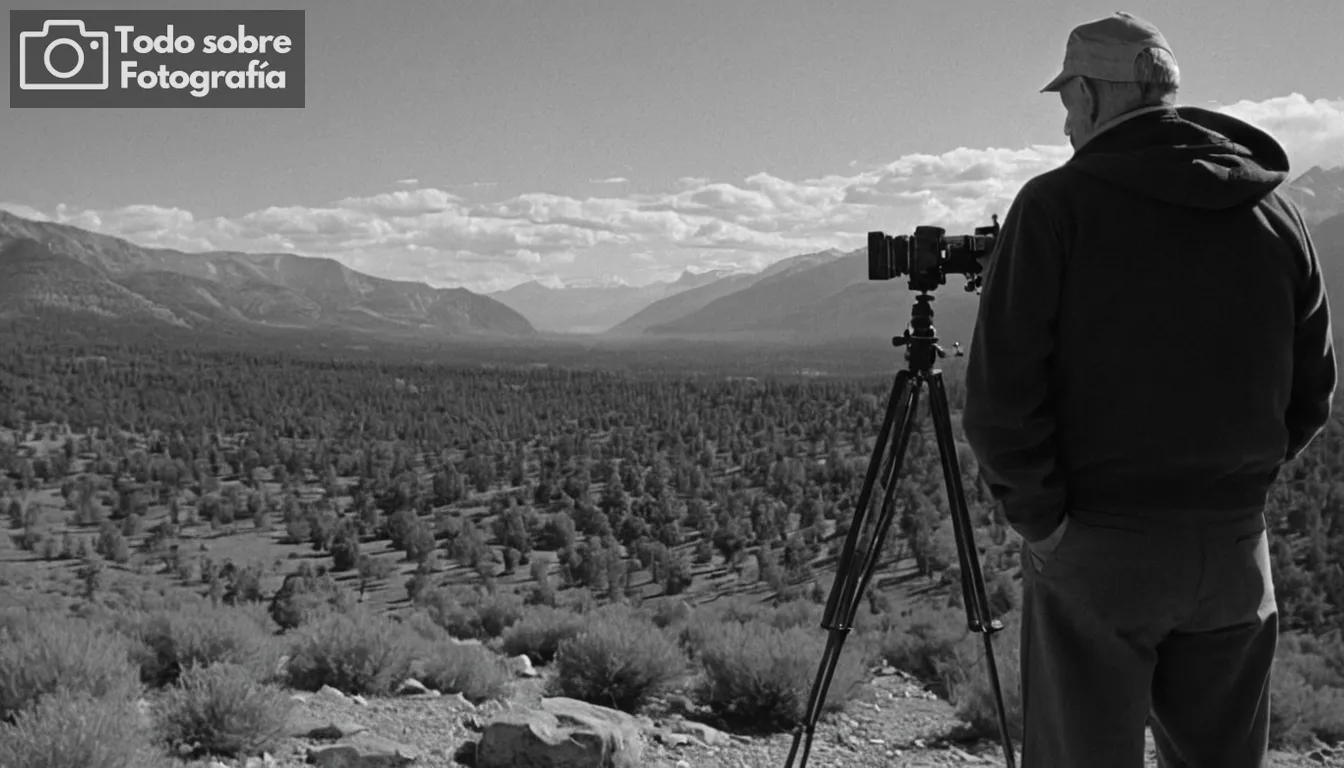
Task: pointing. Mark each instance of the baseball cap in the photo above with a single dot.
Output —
(1106, 49)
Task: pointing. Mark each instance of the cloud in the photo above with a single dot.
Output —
(433, 235)
(612, 180)
(1312, 132)
(26, 211)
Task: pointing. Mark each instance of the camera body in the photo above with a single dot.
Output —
(43, 56)
(930, 255)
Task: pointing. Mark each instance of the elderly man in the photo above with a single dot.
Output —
(1153, 344)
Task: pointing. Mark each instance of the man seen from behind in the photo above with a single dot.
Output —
(1153, 344)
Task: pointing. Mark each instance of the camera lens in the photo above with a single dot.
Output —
(66, 73)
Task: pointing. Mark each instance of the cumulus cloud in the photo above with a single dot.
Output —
(612, 180)
(433, 235)
(1312, 132)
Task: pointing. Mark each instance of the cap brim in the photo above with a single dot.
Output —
(1057, 83)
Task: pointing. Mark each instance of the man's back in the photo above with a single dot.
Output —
(1183, 283)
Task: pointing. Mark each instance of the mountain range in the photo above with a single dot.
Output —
(815, 298)
(47, 267)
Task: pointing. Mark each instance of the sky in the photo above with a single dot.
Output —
(485, 143)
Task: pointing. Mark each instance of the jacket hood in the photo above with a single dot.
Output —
(1187, 156)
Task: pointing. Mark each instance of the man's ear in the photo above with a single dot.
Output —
(1091, 105)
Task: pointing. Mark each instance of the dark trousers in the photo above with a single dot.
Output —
(1165, 620)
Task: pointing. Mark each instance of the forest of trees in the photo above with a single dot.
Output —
(601, 467)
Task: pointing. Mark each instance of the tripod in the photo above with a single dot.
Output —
(855, 568)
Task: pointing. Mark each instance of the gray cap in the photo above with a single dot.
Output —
(1106, 49)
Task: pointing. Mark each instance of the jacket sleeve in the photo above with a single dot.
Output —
(1314, 367)
(1008, 419)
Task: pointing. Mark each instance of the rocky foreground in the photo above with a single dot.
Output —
(894, 722)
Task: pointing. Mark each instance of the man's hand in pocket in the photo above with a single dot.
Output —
(1040, 551)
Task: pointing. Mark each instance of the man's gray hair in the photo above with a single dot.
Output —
(1158, 76)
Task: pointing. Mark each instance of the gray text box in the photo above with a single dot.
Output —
(215, 58)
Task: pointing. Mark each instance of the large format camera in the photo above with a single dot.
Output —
(929, 255)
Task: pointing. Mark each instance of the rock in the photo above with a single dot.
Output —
(521, 666)
(360, 700)
(327, 691)
(336, 730)
(216, 764)
(364, 750)
(712, 737)
(680, 704)
(564, 733)
(668, 738)
(459, 700)
(412, 687)
(304, 725)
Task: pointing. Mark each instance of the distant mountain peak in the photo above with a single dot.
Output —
(1319, 192)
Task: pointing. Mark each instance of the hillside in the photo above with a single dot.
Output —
(69, 269)
(593, 309)
(825, 302)
(1328, 237)
(674, 308)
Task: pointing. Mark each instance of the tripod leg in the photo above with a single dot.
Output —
(972, 580)
(850, 581)
(896, 405)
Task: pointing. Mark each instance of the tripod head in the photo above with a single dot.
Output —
(920, 338)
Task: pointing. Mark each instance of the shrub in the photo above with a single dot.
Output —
(759, 676)
(671, 613)
(354, 653)
(924, 643)
(39, 658)
(223, 709)
(541, 632)
(702, 622)
(619, 662)
(1307, 692)
(967, 678)
(173, 641)
(73, 730)
(304, 596)
(796, 613)
(470, 670)
(477, 617)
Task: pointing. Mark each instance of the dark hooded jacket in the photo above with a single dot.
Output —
(1153, 331)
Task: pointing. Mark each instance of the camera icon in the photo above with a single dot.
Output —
(38, 71)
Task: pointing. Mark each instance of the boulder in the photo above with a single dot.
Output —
(521, 666)
(563, 733)
(333, 694)
(412, 687)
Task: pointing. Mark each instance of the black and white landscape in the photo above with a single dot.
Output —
(529, 375)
